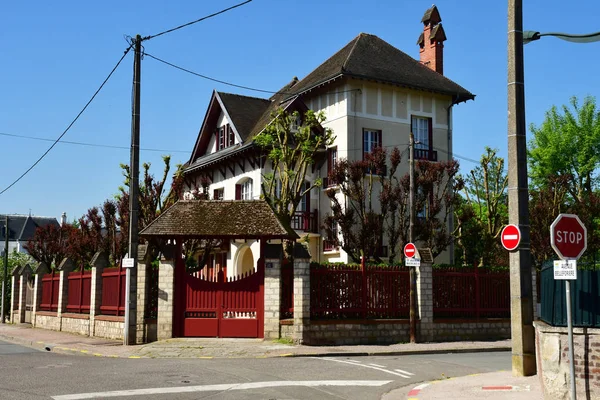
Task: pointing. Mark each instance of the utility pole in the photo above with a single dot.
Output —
(5, 277)
(521, 293)
(411, 212)
(134, 170)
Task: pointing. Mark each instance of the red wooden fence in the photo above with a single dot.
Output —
(50, 287)
(471, 293)
(79, 291)
(287, 291)
(353, 292)
(113, 291)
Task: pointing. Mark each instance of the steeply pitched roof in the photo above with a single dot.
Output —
(22, 227)
(207, 219)
(369, 57)
(244, 111)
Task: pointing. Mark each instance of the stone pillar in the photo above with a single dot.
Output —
(425, 331)
(142, 292)
(99, 262)
(65, 267)
(301, 299)
(25, 273)
(41, 270)
(272, 297)
(166, 291)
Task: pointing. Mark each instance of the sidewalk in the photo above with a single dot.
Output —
(491, 386)
(222, 348)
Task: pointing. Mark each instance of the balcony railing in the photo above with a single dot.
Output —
(425, 154)
(306, 221)
(330, 245)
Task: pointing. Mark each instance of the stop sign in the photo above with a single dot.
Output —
(568, 236)
(410, 250)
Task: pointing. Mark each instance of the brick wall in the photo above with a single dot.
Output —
(75, 324)
(272, 298)
(109, 327)
(553, 361)
(47, 321)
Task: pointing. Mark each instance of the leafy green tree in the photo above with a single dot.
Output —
(15, 260)
(292, 142)
(567, 144)
(484, 209)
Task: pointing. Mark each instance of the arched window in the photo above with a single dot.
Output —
(243, 190)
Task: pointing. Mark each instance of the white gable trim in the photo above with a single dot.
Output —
(224, 111)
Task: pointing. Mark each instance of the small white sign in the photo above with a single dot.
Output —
(127, 263)
(412, 262)
(565, 269)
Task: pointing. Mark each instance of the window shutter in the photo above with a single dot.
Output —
(231, 136)
(238, 192)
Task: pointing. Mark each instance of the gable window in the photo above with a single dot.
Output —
(422, 130)
(243, 191)
(224, 137)
(371, 140)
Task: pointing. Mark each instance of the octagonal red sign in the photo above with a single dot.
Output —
(568, 236)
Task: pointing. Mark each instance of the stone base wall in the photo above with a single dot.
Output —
(347, 333)
(110, 329)
(47, 321)
(451, 331)
(286, 331)
(76, 324)
(552, 355)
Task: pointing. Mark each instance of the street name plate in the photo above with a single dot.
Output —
(565, 269)
(127, 263)
(412, 262)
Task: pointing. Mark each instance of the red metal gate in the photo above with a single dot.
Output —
(221, 308)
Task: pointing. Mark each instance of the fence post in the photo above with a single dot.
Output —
(477, 293)
(65, 267)
(99, 262)
(273, 293)
(301, 294)
(15, 281)
(425, 302)
(166, 292)
(41, 270)
(25, 273)
(142, 291)
(364, 287)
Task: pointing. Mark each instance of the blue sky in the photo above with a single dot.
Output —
(56, 54)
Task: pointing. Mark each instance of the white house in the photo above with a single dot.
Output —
(21, 228)
(372, 95)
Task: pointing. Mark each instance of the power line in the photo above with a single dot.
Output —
(71, 124)
(196, 21)
(229, 83)
(108, 146)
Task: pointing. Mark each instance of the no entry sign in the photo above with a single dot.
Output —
(410, 250)
(510, 237)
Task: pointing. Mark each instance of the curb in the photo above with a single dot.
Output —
(51, 347)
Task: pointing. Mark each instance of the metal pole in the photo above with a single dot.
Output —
(571, 351)
(5, 277)
(521, 292)
(134, 169)
(411, 211)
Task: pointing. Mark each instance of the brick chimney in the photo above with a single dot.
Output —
(431, 41)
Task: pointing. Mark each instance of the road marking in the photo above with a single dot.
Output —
(404, 372)
(377, 365)
(415, 391)
(215, 388)
(364, 366)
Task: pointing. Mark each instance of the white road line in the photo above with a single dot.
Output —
(403, 372)
(421, 386)
(377, 365)
(215, 388)
(355, 361)
(364, 366)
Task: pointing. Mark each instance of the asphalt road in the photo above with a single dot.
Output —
(30, 374)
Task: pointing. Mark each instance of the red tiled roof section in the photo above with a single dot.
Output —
(207, 219)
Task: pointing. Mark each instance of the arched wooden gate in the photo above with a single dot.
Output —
(212, 306)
